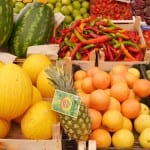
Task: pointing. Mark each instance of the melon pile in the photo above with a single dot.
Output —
(114, 101)
(23, 101)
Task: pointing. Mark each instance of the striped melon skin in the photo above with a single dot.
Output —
(33, 26)
(6, 20)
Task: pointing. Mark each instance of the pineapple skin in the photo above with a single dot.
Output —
(76, 128)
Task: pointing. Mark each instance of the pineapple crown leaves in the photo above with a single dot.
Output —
(60, 78)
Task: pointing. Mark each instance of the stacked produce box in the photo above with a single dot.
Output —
(111, 9)
(142, 8)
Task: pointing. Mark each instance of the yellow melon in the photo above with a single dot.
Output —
(36, 95)
(38, 120)
(44, 85)
(33, 65)
(1, 64)
(15, 91)
(4, 128)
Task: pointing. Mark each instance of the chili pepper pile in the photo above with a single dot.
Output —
(97, 34)
(111, 9)
(146, 34)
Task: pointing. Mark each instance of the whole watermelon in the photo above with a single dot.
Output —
(33, 26)
(6, 20)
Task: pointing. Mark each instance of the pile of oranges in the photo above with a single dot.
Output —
(113, 102)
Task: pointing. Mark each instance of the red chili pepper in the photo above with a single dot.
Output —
(110, 54)
(65, 31)
(132, 49)
(140, 56)
(100, 39)
(102, 23)
(95, 29)
(75, 50)
(73, 38)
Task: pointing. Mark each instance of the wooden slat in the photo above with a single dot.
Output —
(81, 145)
(16, 141)
(21, 144)
(91, 145)
(56, 131)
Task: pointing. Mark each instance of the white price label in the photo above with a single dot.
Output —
(7, 58)
(124, 1)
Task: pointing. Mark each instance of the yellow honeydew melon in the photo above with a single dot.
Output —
(4, 128)
(38, 120)
(34, 64)
(15, 91)
(1, 64)
(44, 85)
(36, 95)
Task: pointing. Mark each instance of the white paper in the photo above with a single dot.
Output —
(59, 18)
(50, 50)
(7, 57)
(124, 1)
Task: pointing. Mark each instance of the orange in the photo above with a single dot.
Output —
(79, 75)
(130, 78)
(141, 88)
(96, 118)
(80, 92)
(112, 120)
(131, 108)
(91, 71)
(114, 104)
(85, 99)
(99, 100)
(107, 91)
(87, 85)
(77, 84)
(102, 138)
(115, 78)
(127, 124)
(119, 69)
(120, 91)
(101, 80)
(131, 94)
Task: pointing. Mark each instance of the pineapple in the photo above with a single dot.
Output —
(76, 128)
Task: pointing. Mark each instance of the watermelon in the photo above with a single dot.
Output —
(6, 20)
(33, 26)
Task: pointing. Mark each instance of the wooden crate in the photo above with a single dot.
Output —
(16, 141)
(106, 66)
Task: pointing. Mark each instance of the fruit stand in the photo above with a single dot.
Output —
(74, 74)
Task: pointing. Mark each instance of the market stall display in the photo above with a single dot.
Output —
(97, 34)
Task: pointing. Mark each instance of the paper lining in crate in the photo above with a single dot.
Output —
(16, 141)
(49, 50)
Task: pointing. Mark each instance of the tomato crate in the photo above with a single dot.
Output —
(16, 141)
(111, 9)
